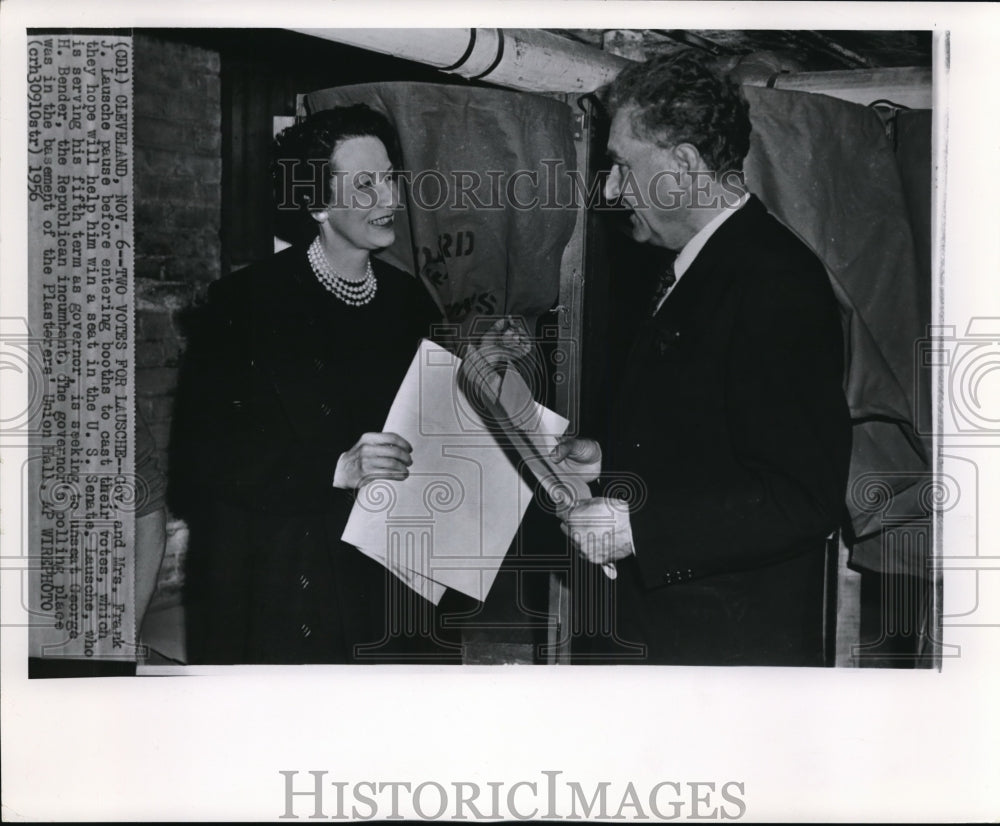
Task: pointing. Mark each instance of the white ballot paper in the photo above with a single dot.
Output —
(450, 523)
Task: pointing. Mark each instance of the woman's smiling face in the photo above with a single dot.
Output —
(363, 196)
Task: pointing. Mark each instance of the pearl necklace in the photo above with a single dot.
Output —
(354, 293)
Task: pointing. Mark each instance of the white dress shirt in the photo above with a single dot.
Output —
(691, 249)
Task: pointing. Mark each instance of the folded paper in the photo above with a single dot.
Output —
(450, 523)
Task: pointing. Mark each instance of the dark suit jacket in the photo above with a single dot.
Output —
(733, 433)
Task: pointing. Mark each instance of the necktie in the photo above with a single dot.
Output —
(667, 280)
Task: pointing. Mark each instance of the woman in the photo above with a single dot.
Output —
(287, 384)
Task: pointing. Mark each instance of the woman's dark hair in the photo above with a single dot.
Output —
(678, 99)
(300, 162)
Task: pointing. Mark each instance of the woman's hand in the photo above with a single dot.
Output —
(375, 456)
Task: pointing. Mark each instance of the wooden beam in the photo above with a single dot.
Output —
(829, 46)
(695, 40)
(570, 347)
(910, 87)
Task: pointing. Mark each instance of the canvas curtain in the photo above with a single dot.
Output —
(827, 170)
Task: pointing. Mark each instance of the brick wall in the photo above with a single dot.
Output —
(178, 198)
(178, 170)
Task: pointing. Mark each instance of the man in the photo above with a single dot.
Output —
(731, 428)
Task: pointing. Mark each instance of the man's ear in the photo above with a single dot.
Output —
(688, 157)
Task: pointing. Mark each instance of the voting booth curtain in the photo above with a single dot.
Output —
(825, 167)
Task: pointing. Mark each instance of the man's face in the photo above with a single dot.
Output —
(648, 180)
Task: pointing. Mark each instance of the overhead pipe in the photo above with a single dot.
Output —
(530, 60)
(534, 60)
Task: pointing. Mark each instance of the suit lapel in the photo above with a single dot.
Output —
(715, 270)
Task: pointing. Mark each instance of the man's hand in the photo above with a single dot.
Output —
(580, 451)
(581, 457)
(484, 362)
(375, 456)
(600, 529)
(506, 340)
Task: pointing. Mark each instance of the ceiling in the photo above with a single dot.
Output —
(787, 50)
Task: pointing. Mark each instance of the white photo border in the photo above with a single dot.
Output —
(852, 745)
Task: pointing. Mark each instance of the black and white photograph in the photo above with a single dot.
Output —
(499, 420)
